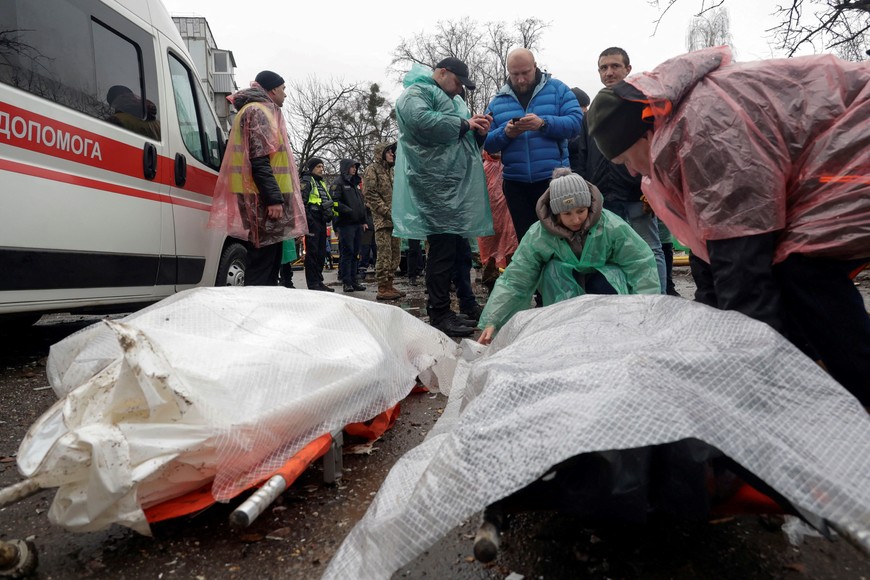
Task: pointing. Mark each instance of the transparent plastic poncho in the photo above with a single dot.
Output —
(500, 246)
(214, 385)
(771, 145)
(439, 182)
(237, 207)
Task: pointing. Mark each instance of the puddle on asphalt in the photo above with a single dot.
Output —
(413, 305)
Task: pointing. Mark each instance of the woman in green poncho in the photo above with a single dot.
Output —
(577, 247)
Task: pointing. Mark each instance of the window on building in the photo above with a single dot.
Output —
(221, 62)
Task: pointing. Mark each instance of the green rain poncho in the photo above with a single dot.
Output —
(548, 256)
(439, 186)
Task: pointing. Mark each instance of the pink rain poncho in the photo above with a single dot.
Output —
(501, 245)
(258, 130)
(749, 148)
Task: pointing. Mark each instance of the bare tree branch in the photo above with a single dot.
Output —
(709, 29)
(706, 6)
(311, 112)
(843, 25)
(483, 50)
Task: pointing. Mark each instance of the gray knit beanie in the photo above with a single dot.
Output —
(568, 191)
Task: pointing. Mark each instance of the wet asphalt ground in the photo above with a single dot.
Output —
(299, 533)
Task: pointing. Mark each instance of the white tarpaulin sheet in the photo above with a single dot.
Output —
(600, 373)
(221, 384)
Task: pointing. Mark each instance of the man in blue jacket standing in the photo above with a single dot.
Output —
(534, 117)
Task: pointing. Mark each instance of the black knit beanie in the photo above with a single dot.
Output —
(269, 80)
(615, 123)
(581, 95)
(313, 162)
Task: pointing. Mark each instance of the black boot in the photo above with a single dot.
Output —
(451, 325)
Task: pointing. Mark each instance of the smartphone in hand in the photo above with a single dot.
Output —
(516, 119)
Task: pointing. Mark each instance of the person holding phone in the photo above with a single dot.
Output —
(439, 187)
(534, 116)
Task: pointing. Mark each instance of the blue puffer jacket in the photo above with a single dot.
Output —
(533, 155)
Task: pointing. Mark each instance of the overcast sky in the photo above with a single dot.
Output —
(354, 41)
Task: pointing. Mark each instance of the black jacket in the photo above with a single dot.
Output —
(347, 195)
(614, 181)
(316, 213)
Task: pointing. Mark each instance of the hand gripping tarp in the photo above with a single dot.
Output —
(598, 373)
(221, 384)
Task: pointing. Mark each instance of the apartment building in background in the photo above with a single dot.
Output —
(216, 66)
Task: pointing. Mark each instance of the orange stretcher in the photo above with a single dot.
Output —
(199, 499)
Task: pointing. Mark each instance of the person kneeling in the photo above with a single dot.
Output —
(576, 247)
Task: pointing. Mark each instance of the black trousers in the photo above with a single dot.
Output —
(315, 253)
(440, 265)
(811, 301)
(521, 200)
(462, 277)
(263, 265)
(668, 251)
(823, 304)
(415, 261)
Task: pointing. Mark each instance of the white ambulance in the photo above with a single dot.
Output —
(109, 152)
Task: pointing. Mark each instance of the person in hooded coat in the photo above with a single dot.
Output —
(576, 247)
(349, 222)
(253, 198)
(439, 192)
(378, 180)
(761, 169)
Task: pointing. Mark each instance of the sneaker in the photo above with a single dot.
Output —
(357, 286)
(348, 288)
(452, 326)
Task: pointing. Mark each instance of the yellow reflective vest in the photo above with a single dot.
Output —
(316, 198)
(279, 160)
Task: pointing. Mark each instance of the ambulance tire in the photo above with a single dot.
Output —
(231, 270)
(17, 323)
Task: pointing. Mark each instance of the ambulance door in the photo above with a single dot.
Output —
(193, 161)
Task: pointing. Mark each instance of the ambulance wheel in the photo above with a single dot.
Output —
(231, 271)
